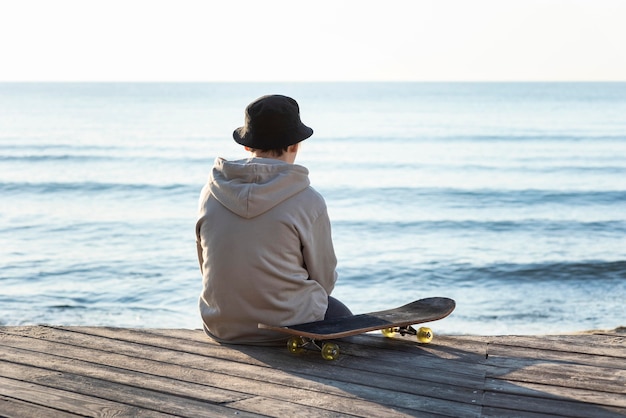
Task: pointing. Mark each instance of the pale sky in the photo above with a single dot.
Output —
(320, 40)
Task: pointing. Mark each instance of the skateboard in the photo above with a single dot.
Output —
(390, 322)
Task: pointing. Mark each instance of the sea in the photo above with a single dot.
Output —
(508, 197)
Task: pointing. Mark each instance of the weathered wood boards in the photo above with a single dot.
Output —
(95, 371)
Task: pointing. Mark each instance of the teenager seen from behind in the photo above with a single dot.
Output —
(263, 233)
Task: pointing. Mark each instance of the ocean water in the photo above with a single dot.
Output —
(508, 197)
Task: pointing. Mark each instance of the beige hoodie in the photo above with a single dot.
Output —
(265, 250)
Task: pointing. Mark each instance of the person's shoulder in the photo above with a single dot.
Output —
(314, 192)
(313, 198)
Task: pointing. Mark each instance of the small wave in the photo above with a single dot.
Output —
(561, 271)
(543, 137)
(64, 307)
(53, 158)
(412, 227)
(471, 197)
(471, 275)
(93, 187)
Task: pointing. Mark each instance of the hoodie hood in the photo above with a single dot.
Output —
(252, 186)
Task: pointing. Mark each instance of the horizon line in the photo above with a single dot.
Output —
(175, 81)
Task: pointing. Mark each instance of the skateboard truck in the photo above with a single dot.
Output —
(424, 334)
(329, 350)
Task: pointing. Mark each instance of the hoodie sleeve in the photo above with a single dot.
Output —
(319, 253)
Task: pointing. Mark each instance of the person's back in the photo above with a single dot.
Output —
(264, 239)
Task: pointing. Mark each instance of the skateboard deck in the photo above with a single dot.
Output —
(420, 311)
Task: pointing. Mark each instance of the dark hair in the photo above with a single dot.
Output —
(277, 152)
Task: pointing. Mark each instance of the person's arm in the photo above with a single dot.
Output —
(199, 244)
(319, 254)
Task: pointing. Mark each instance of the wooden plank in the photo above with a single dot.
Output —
(491, 412)
(271, 383)
(529, 356)
(564, 376)
(287, 409)
(279, 409)
(67, 401)
(597, 345)
(557, 375)
(617, 332)
(15, 408)
(112, 371)
(121, 393)
(543, 377)
(549, 407)
(546, 391)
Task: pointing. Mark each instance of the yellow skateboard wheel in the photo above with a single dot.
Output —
(389, 332)
(295, 345)
(330, 351)
(425, 335)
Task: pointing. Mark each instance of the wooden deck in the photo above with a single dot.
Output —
(50, 371)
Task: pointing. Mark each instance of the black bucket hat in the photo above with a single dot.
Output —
(272, 122)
